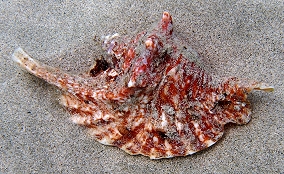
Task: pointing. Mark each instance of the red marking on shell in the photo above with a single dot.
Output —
(150, 99)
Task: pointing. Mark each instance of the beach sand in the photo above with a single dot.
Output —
(233, 38)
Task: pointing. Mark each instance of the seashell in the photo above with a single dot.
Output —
(146, 97)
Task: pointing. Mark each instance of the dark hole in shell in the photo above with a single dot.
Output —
(162, 134)
(100, 66)
(222, 104)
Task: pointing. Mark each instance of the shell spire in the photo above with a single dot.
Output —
(167, 24)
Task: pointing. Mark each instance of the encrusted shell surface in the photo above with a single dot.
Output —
(146, 97)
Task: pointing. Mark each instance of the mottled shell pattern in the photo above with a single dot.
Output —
(147, 98)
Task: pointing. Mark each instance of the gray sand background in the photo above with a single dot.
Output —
(234, 38)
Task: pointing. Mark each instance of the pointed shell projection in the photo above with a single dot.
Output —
(146, 97)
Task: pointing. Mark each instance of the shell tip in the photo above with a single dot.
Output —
(264, 87)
